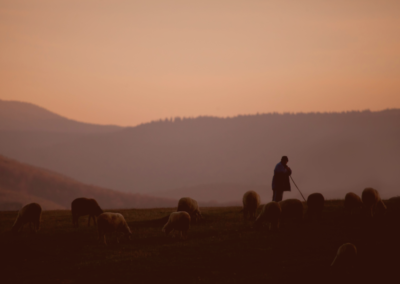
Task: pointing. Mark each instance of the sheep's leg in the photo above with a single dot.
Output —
(37, 225)
(102, 237)
(88, 224)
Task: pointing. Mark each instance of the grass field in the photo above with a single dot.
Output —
(222, 248)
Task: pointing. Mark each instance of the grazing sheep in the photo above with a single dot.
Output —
(345, 257)
(179, 222)
(82, 207)
(315, 204)
(352, 202)
(112, 223)
(292, 209)
(270, 213)
(393, 205)
(190, 206)
(31, 214)
(395, 200)
(373, 205)
(251, 201)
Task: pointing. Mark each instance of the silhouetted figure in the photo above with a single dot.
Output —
(280, 181)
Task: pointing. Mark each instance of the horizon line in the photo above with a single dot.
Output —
(178, 118)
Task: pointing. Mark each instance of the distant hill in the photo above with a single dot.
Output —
(21, 184)
(328, 152)
(21, 116)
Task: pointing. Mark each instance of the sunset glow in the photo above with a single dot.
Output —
(129, 62)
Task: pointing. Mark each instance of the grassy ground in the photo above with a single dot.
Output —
(220, 249)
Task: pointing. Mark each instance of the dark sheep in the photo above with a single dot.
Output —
(315, 204)
(292, 209)
(270, 213)
(352, 202)
(82, 207)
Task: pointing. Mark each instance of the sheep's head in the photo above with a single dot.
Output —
(128, 231)
(98, 211)
(167, 230)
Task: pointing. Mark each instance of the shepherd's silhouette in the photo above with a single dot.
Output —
(280, 181)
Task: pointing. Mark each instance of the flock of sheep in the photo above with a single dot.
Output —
(188, 210)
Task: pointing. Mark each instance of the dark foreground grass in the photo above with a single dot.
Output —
(221, 249)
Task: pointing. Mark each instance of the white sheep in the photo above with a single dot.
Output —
(270, 213)
(251, 201)
(345, 257)
(179, 222)
(112, 223)
(373, 204)
(292, 209)
(190, 206)
(352, 202)
(31, 214)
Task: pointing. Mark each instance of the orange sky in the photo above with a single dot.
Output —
(128, 62)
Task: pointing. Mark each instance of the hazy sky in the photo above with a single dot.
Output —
(128, 62)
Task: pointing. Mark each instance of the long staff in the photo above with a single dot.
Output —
(298, 188)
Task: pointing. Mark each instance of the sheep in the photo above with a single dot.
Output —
(345, 257)
(271, 213)
(395, 200)
(315, 204)
(352, 202)
(179, 222)
(292, 209)
(31, 214)
(251, 201)
(190, 206)
(394, 203)
(112, 222)
(82, 207)
(373, 205)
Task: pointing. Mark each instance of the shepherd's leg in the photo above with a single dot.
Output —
(278, 195)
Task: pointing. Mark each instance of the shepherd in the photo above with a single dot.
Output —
(280, 181)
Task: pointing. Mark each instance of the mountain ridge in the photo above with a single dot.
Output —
(328, 152)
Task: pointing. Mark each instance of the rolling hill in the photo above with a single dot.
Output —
(21, 116)
(21, 184)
